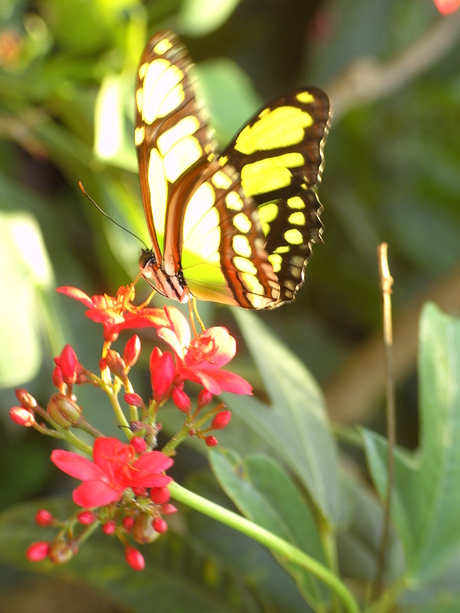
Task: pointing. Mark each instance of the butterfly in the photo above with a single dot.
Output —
(234, 228)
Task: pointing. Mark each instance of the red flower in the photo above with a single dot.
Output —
(445, 7)
(201, 359)
(116, 313)
(115, 467)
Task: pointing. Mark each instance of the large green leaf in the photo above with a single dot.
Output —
(265, 493)
(426, 496)
(177, 576)
(294, 425)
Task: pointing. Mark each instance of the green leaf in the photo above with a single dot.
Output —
(177, 576)
(229, 94)
(294, 426)
(199, 17)
(426, 495)
(26, 272)
(265, 494)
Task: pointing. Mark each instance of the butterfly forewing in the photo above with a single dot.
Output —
(171, 134)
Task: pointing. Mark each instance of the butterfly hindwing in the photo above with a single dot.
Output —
(279, 155)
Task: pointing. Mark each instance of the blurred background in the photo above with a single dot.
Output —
(67, 70)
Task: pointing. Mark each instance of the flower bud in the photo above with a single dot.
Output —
(160, 495)
(159, 525)
(44, 518)
(221, 420)
(204, 398)
(132, 351)
(162, 373)
(64, 411)
(168, 509)
(143, 531)
(26, 399)
(115, 363)
(109, 527)
(211, 441)
(68, 364)
(86, 518)
(181, 400)
(57, 379)
(134, 558)
(22, 417)
(127, 523)
(36, 552)
(134, 399)
(139, 444)
(61, 552)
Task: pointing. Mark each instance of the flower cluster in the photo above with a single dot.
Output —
(124, 487)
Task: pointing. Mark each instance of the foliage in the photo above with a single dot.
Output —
(66, 115)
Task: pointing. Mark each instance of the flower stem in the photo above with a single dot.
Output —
(266, 538)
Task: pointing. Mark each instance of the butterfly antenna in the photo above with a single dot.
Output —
(80, 185)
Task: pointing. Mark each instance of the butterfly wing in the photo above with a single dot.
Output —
(279, 155)
(235, 229)
(172, 137)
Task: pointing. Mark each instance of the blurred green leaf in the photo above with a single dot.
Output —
(177, 576)
(295, 423)
(266, 495)
(199, 17)
(426, 500)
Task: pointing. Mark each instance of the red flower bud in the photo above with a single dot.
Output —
(181, 400)
(44, 518)
(109, 527)
(68, 362)
(64, 411)
(26, 400)
(57, 379)
(221, 420)
(132, 351)
(134, 399)
(159, 525)
(204, 398)
(162, 373)
(116, 364)
(36, 552)
(168, 509)
(211, 441)
(127, 523)
(139, 444)
(160, 495)
(86, 518)
(22, 416)
(134, 558)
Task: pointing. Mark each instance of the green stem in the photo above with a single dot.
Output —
(76, 442)
(266, 538)
(386, 601)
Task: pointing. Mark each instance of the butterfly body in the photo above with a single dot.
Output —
(234, 228)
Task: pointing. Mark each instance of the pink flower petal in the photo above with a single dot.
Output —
(96, 494)
(75, 465)
(74, 292)
(152, 462)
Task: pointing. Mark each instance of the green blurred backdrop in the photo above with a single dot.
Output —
(392, 69)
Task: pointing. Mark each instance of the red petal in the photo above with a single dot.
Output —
(96, 494)
(445, 7)
(152, 462)
(75, 465)
(76, 293)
